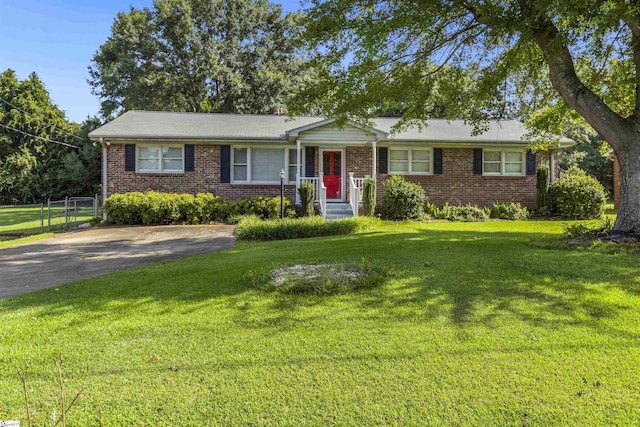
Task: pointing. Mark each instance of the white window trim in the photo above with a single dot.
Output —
(410, 161)
(161, 170)
(503, 162)
(289, 180)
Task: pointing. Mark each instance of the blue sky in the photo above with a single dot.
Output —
(57, 39)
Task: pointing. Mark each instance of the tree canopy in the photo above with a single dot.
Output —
(551, 62)
(42, 154)
(232, 56)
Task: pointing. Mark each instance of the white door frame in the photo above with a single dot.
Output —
(343, 166)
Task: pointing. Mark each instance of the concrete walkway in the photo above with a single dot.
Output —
(76, 255)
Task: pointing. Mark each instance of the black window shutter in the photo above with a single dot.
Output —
(531, 163)
(130, 157)
(437, 161)
(225, 163)
(309, 161)
(189, 158)
(383, 158)
(477, 161)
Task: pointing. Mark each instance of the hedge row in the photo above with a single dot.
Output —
(170, 208)
(254, 228)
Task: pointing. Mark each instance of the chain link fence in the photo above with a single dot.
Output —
(71, 211)
(50, 216)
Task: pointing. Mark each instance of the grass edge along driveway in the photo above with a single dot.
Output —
(477, 327)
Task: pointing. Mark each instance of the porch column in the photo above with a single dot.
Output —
(552, 166)
(298, 169)
(375, 162)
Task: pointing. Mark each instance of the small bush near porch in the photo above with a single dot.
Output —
(402, 200)
(478, 325)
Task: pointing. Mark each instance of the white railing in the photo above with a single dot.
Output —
(354, 193)
(359, 182)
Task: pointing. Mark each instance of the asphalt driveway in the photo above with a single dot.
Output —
(80, 254)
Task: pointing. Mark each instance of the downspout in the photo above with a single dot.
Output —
(104, 144)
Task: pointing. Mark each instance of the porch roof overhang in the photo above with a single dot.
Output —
(298, 133)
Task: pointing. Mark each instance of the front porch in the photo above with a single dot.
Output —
(336, 161)
(330, 207)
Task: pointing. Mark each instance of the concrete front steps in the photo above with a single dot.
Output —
(338, 210)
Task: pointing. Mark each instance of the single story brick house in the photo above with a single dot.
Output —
(237, 156)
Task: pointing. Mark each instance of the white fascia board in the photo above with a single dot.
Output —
(296, 132)
(449, 144)
(331, 142)
(204, 141)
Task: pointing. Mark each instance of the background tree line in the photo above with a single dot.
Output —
(227, 56)
(42, 154)
(340, 59)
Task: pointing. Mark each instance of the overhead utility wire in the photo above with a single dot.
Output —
(38, 137)
(42, 120)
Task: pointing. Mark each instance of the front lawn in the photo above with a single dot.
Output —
(477, 326)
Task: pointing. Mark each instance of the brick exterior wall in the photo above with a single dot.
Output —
(204, 179)
(457, 185)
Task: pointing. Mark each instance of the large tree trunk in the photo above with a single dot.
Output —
(622, 133)
(628, 219)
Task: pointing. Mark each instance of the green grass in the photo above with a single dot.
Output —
(8, 241)
(21, 220)
(478, 326)
(27, 220)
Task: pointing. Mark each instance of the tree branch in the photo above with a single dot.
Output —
(573, 91)
(633, 24)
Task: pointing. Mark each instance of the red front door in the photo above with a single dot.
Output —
(332, 168)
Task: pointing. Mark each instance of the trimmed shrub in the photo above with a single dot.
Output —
(306, 199)
(369, 197)
(254, 228)
(577, 195)
(542, 185)
(164, 208)
(160, 208)
(124, 209)
(264, 207)
(510, 211)
(213, 208)
(466, 213)
(402, 200)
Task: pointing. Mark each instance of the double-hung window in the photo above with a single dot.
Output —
(293, 164)
(410, 161)
(263, 165)
(160, 158)
(496, 162)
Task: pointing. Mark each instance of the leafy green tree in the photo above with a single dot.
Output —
(553, 62)
(232, 56)
(37, 154)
